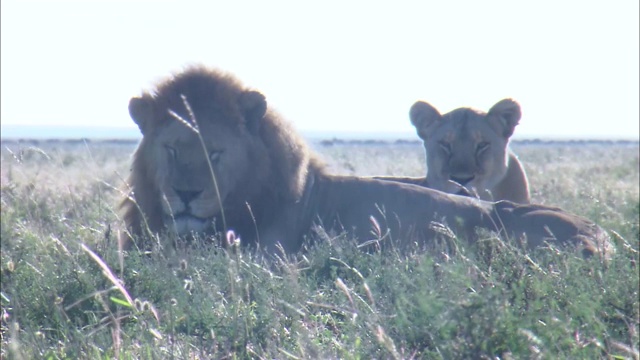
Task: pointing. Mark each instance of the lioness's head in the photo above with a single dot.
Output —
(465, 147)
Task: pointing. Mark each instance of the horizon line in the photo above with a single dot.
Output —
(44, 132)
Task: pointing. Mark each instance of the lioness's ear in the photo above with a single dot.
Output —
(253, 105)
(504, 116)
(141, 111)
(423, 116)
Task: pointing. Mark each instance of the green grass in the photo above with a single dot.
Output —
(488, 300)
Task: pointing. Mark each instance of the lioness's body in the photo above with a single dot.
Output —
(469, 150)
(271, 189)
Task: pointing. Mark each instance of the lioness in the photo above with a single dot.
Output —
(270, 189)
(468, 151)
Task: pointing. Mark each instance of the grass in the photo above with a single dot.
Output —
(61, 297)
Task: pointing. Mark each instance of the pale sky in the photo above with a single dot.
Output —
(332, 65)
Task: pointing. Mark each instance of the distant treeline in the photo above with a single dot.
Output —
(326, 142)
(541, 142)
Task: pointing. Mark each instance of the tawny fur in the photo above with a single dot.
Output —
(273, 190)
(468, 151)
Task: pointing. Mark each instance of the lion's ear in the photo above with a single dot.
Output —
(141, 111)
(423, 117)
(504, 116)
(253, 105)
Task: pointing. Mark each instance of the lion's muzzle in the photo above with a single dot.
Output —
(185, 224)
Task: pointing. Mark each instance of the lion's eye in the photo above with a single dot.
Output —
(446, 147)
(215, 155)
(482, 147)
(173, 153)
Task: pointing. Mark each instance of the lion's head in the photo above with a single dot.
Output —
(466, 147)
(199, 126)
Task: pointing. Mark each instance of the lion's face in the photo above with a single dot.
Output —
(184, 176)
(466, 147)
(182, 171)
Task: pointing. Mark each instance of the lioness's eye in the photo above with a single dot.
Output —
(215, 155)
(446, 147)
(482, 147)
(173, 154)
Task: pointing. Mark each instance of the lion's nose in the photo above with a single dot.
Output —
(187, 195)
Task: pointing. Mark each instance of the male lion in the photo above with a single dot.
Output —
(468, 150)
(270, 189)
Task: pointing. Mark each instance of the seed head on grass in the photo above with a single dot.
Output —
(367, 290)
(232, 239)
(342, 286)
(188, 285)
(375, 227)
(387, 342)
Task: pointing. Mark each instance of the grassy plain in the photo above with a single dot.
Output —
(66, 293)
